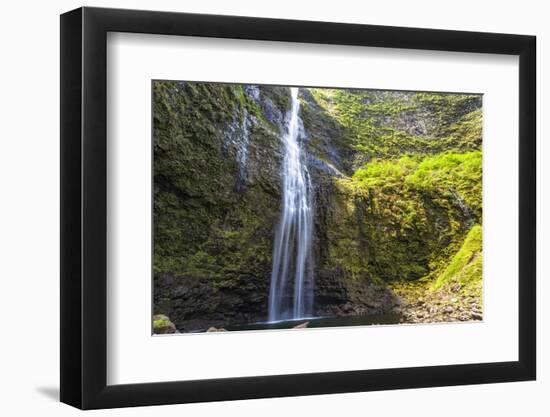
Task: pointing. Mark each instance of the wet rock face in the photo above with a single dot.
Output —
(336, 293)
(237, 136)
(195, 304)
(327, 145)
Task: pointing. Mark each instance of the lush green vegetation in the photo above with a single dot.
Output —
(465, 266)
(386, 124)
(451, 175)
(417, 181)
(378, 172)
(398, 200)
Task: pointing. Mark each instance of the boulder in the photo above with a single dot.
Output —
(163, 325)
(215, 330)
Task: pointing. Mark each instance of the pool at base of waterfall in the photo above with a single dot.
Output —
(316, 322)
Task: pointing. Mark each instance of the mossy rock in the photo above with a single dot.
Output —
(163, 325)
(465, 267)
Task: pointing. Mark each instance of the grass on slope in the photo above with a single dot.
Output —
(465, 267)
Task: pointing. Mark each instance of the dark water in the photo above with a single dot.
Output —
(323, 322)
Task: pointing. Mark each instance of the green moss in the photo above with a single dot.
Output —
(375, 121)
(280, 96)
(203, 226)
(454, 176)
(161, 324)
(381, 230)
(405, 218)
(446, 109)
(467, 132)
(379, 172)
(465, 267)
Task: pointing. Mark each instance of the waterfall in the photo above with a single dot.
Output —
(291, 292)
(242, 150)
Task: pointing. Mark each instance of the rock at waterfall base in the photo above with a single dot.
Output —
(215, 330)
(163, 325)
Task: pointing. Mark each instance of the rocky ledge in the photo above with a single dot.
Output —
(419, 304)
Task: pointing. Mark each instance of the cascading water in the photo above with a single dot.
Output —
(291, 292)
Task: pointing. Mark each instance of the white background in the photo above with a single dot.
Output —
(29, 224)
(133, 60)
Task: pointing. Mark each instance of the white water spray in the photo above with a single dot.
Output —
(291, 292)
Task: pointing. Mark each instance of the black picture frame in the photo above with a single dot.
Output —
(84, 207)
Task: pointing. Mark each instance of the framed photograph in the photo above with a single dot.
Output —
(256, 208)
